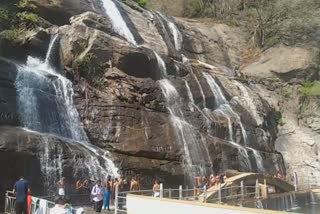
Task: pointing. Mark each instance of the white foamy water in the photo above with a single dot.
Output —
(216, 90)
(249, 101)
(161, 64)
(46, 107)
(190, 96)
(176, 34)
(258, 159)
(118, 23)
(196, 153)
(50, 49)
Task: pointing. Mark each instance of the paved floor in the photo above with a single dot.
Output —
(91, 211)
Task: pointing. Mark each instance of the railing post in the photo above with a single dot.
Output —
(219, 194)
(205, 194)
(170, 195)
(257, 191)
(161, 190)
(116, 200)
(187, 191)
(5, 203)
(242, 189)
(180, 192)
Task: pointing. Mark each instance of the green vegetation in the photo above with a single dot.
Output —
(4, 15)
(142, 3)
(268, 22)
(26, 5)
(89, 69)
(15, 23)
(309, 88)
(12, 34)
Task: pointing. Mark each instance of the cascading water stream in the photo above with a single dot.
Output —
(46, 106)
(118, 23)
(194, 151)
(223, 108)
(161, 65)
(176, 34)
(249, 101)
(190, 96)
(258, 159)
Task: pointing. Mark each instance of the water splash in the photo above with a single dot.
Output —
(118, 23)
(46, 107)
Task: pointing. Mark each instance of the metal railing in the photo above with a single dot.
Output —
(219, 195)
(10, 201)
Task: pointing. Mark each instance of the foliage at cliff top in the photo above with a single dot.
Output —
(142, 3)
(14, 24)
(267, 22)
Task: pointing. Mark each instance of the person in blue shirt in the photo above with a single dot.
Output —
(20, 189)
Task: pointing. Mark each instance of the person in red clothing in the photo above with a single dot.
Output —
(29, 202)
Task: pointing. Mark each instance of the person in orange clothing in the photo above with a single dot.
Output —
(29, 202)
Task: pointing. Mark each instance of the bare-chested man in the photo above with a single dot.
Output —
(134, 186)
(156, 189)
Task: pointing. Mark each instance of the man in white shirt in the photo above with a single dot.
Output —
(59, 208)
(97, 193)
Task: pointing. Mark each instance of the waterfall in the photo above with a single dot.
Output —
(249, 101)
(51, 164)
(258, 159)
(118, 23)
(312, 198)
(161, 65)
(216, 90)
(190, 96)
(176, 34)
(45, 100)
(223, 108)
(50, 49)
(200, 88)
(223, 114)
(196, 154)
(187, 137)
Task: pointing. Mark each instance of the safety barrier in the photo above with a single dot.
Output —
(225, 194)
(38, 205)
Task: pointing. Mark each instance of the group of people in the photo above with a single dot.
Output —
(208, 181)
(102, 194)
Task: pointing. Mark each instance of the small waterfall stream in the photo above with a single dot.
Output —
(176, 34)
(196, 154)
(118, 23)
(224, 109)
(46, 106)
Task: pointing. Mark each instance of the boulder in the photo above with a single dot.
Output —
(284, 63)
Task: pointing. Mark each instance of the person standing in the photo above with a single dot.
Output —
(62, 188)
(107, 194)
(21, 188)
(97, 194)
(156, 189)
(134, 186)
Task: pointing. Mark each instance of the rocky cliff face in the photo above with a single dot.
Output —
(200, 117)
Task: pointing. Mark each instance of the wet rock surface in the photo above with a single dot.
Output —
(124, 111)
